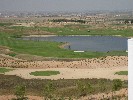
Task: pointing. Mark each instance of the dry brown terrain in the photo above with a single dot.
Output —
(87, 68)
(106, 62)
(100, 96)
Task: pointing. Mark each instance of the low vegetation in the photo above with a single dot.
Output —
(3, 70)
(12, 54)
(83, 30)
(5, 24)
(73, 88)
(20, 93)
(44, 73)
(117, 84)
(122, 73)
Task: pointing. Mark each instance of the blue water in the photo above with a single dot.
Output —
(88, 43)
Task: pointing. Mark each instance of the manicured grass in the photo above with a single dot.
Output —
(122, 73)
(3, 70)
(44, 73)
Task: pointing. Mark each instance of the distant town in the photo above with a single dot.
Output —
(63, 18)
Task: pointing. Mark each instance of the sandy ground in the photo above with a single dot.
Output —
(72, 73)
(88, 68)
(107, 62)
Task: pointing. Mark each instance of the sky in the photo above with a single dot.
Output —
(65, 5)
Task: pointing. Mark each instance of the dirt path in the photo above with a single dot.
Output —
(72, 73)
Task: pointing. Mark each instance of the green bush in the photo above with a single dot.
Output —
(117, 84)
(20, 92)
(84, 88)
(48, 90)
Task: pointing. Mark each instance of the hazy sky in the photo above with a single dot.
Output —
(65, 5)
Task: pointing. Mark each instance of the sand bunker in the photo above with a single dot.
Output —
(72, 73)
(88, 68)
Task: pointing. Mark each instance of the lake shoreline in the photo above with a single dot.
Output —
(85, 42)
(39, 36)
(71, 35)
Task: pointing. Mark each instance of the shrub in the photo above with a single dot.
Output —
(48, 90)
(117, 84)
(83, 88)
(20, 92)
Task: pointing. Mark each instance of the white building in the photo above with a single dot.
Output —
(130, 69)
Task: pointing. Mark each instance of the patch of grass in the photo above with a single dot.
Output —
(12, 54)
(3, 70)
(44, 73)
(79, 29)
(5, 24)
(83, 30)
(122, 73)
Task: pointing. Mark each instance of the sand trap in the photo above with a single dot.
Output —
(88, 68)
(72, 73)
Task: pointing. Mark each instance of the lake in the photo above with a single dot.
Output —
(88, 43)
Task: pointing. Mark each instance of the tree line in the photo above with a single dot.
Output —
(67, 20)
